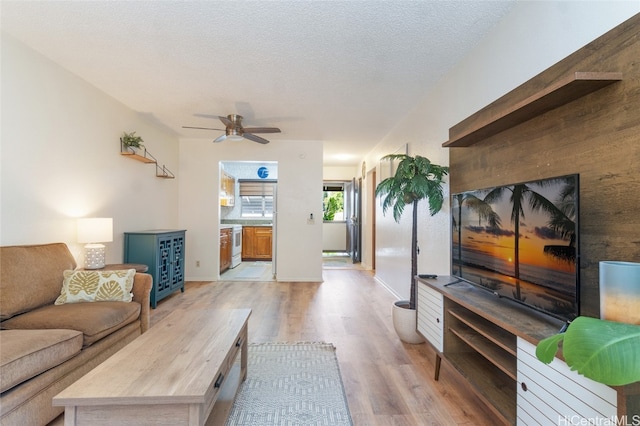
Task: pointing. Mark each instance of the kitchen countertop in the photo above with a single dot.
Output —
(245, 222)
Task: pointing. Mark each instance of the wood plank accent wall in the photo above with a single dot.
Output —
(597, 136)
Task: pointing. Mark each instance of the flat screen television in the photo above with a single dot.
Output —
(521, 242)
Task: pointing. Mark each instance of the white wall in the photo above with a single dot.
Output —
(345, 173)
(369, 205)
(534, 36)
(60, 158)
(334, 236)
(299, 248)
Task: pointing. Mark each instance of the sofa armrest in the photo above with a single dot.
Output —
(142, 284)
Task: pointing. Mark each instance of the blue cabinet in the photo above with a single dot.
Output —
(163, 251)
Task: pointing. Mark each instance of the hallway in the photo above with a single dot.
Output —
(338, 260)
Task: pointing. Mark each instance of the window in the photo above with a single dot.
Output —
(333, 202)
(257, 198)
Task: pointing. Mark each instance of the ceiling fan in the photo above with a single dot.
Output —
(234, 130)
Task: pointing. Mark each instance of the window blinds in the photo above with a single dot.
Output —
(249, 188)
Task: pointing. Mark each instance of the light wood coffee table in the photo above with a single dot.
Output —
(182, 371)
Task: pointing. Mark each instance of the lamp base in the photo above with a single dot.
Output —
(94, 255)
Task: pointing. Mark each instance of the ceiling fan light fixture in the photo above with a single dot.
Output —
(235, 132)
(233, 135)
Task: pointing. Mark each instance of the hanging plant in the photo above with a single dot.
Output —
(130, 140)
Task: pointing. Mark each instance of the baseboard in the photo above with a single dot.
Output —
(389, 289)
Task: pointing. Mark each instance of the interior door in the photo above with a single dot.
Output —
(353, 214)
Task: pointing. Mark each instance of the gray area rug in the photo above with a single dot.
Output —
(291, 384)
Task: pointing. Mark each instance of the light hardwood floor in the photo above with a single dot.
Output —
(386, 382)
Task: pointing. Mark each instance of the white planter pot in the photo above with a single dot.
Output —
(405, 323)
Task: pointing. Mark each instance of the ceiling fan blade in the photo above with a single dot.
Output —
(220, 138)
(226, 121)
(262, 129)
(254, 138)
(206, 115)
(201, 128)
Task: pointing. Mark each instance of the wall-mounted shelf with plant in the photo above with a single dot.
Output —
(132, 146)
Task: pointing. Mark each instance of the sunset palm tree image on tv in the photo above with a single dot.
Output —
(520, 241)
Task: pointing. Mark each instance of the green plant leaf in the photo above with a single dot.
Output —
(605, 351)
(547, 348)
(131, 140)
(416, 178)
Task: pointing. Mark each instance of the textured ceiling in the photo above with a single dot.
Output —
(343, 72)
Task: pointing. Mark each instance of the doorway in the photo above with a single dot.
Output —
(353, 213)
(248, 210)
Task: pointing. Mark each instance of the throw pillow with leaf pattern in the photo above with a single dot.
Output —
(96, 286)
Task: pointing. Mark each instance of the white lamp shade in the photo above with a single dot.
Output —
(95, 230)
(620, 291)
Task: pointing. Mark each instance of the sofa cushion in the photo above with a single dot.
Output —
(31, 276)
(96, 286)
(27, 353)
(95, 320)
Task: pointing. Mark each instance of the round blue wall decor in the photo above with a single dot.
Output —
(263, 173)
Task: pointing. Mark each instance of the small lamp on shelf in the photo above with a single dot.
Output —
(95, 231)
(620, 291)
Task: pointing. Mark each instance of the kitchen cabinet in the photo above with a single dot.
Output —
(163, 252)
(225, 249)
(257, 242)
(227, 189)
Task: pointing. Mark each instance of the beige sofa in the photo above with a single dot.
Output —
(46, 347)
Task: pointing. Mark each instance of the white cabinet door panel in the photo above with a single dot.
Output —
(430, 315)
(554, 392)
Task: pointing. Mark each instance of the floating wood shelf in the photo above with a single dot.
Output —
(575, 85)
(163, 172)
(146, 157)
(141, 158)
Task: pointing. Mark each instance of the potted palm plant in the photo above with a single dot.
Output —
(416, 178)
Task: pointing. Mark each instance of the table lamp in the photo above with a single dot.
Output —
(620, 291)
(95, 231)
